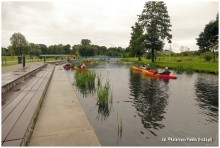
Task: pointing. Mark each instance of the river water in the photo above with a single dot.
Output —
(154, 112)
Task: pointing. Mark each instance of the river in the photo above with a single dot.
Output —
(154, 112)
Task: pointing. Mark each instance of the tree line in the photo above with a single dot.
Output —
(20, 46)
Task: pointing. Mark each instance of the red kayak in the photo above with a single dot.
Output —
(67, 66)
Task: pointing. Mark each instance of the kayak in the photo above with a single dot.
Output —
(153, 74)
(157, 75)
(67, 67)
(140, 69)
(88, 62)
(79, 69)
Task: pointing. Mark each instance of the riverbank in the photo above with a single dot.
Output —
(172, 63)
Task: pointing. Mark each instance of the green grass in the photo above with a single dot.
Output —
(193, 63)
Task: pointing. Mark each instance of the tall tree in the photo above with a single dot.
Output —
(137, 41)
(208, 39)
(19, 43)
(156, 24)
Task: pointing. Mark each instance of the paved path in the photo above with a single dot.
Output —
(62, 120)
(19, 67)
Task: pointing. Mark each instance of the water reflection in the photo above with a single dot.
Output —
(85, 91)
(206, 88)
(103, 112)
(150, 100)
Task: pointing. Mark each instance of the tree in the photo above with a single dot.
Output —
(43, 49)
(33, 49)
(11, 51)
(19, 43)
(67, 49)
(156, 24)
(85, 42)
(137, 40)
(208, 39)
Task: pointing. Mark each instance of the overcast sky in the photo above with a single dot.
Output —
(104, 22)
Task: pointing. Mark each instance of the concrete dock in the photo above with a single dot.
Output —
(62, 120)
(59, 121)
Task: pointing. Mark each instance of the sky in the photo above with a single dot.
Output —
(104, 22)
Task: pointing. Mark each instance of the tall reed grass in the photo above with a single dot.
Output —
(104, 96)
(179, 69)
(85, 81)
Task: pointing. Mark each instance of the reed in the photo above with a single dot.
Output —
(189, 70)
(103, 95)
(179, 69)
(119, 126)
(98, 80)
(85, 81)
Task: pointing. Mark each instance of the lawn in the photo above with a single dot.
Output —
(195, 62)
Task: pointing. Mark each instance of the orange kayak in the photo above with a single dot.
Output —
(79, 69)
(153, 74)
(157, 75)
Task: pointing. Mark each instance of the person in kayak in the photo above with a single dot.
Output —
(148, 67)
(165, 72)
(83, 66)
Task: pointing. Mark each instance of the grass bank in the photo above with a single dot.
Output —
(197, 64)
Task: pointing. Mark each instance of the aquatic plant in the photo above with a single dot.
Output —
(85, 81)
(189, 70)
(98, 80)
(103, 94)
(119, 126)
(153, 66)
(179, 69)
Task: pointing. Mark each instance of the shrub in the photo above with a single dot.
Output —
(208, 56)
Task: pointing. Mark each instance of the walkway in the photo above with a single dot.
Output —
(62, 120)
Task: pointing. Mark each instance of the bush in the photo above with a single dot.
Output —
(208, 56)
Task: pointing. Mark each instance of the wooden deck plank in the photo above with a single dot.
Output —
(10, 121)
(18, 115)
(12, 143)
(10, 107)
(40, 81)
(26, 119)
(10, 96)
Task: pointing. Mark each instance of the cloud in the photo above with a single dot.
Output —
(104, 22)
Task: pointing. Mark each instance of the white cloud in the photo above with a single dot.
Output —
(104, 22)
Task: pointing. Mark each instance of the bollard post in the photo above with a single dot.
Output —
(23, 61)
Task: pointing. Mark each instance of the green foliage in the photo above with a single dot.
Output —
(156, 21)
(19, 43)
(85, 81)
(85, 42)
(208, 56)
(33, 49)
(196, 63)
(103, 95)
(137, 40)
(189, 69)
(179, 69)
(209, 36)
